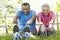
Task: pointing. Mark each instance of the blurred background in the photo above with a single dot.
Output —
(9, 7)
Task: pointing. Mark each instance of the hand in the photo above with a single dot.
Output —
(43, 28)
(29, 22)
(50, 25)
(51, 21)
(15, 22)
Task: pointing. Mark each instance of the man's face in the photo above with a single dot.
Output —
(46, 10)
(25, 9)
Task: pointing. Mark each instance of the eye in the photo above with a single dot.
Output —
(45, 10)
(25, 9)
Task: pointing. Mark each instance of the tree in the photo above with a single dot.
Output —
(8, 6)
(57, 10)
(57, 6)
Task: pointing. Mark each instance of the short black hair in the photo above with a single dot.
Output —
(26, 4)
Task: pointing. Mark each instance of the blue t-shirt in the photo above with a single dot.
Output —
(22, 19)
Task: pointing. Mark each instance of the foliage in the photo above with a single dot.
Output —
(58, 6)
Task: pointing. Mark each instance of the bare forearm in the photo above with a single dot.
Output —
(40, 22)
(15, 19)
(33, 18)
(51, 21)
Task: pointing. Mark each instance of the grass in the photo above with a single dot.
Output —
(10, 37)
(6, 37)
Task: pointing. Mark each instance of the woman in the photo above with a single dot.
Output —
(46, 17)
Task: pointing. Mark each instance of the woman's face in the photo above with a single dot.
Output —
(46, 10)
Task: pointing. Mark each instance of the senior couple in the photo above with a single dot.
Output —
(26, 16)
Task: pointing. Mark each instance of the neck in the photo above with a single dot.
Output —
(26, 13)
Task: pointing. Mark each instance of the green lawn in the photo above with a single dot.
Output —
(10, 37)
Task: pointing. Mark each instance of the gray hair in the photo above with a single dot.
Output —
(45, 5)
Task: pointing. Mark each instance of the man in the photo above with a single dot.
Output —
(46, 17)
(26, 17)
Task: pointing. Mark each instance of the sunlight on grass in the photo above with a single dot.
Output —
(10, 37)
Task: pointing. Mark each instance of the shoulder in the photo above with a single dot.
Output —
(18, 11)
(40, 13)
(32, 11)
(52, 12)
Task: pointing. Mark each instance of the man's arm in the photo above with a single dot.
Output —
(15, 19)
(32, 19)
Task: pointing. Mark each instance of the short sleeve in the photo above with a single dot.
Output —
(18, 12)
(33, 13)
(53, 15)
(39, 16)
